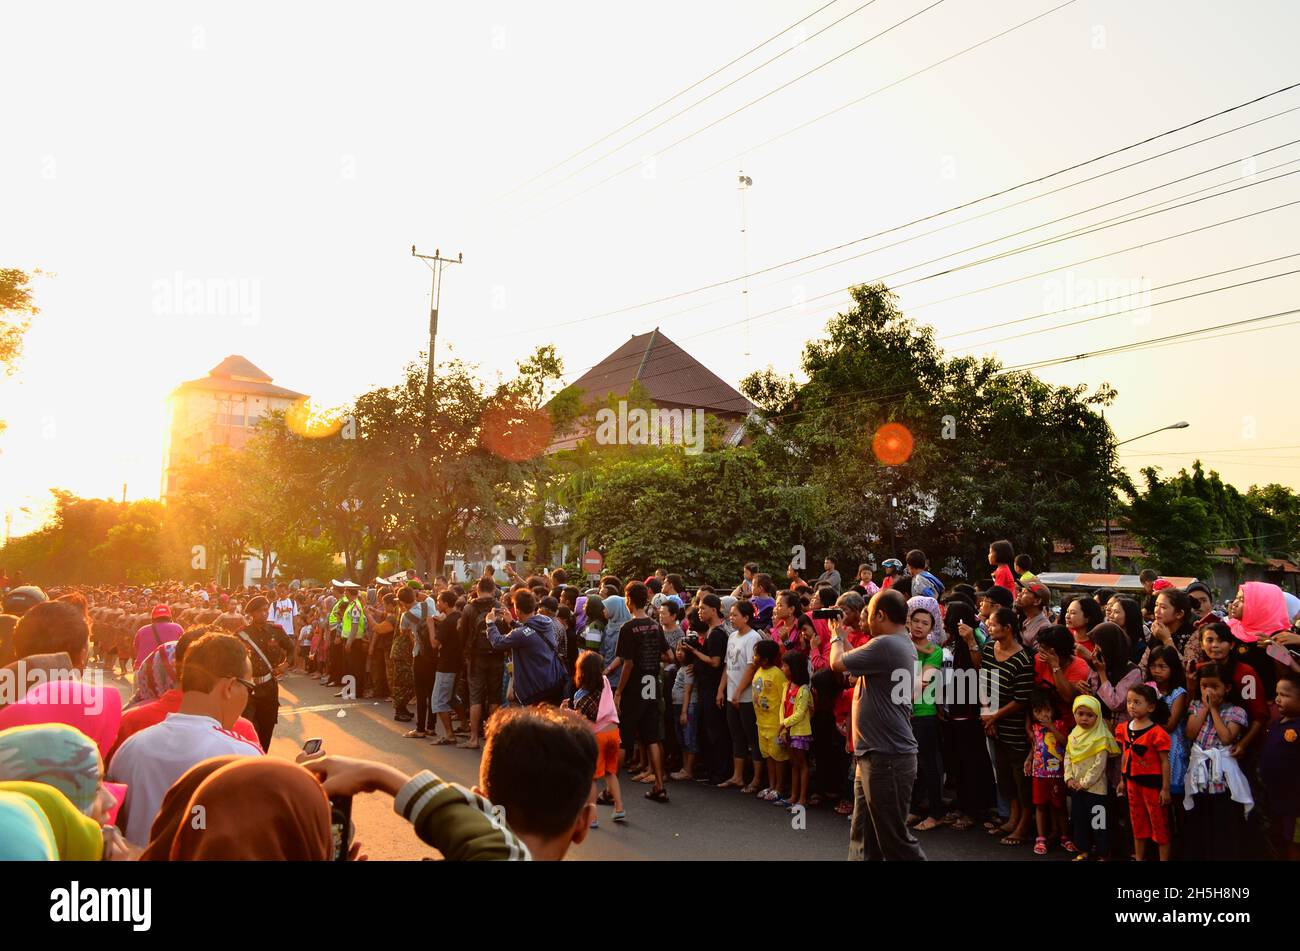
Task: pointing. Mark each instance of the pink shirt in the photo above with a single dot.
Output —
(146, 643)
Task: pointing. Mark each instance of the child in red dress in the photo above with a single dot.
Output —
(1144, 771)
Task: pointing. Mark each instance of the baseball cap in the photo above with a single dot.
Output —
(162, 610)
(20, 599)
(1039, 591)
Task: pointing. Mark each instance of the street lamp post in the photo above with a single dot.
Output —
(1110, 465)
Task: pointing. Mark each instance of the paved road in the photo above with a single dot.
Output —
(699, 823)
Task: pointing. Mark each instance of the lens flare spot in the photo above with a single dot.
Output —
(312, 420)
(514, 431)
(892, 444)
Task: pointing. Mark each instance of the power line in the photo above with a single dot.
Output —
(975, 201)
(1009, 253)
(681, 112)
(674, 96)
(624, 171)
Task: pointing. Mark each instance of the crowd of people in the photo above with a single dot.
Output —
(1107, 725)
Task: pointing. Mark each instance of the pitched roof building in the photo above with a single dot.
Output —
(669, 376)
(221, 409)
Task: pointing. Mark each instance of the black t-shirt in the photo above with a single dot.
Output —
(451, 649)
(641, 641)
(707, 678)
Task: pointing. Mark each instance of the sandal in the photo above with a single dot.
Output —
(1068, 845)
(961, 825)
(414, 735)
(1012, 840)
(657, 795)
(605, 798)
(844, 809)
(443, 741)
(926, 824)
(730, 784)
(1040, 845)
(749, 790)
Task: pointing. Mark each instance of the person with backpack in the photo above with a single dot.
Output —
(486, 665)
(154, 634)
(540, 675)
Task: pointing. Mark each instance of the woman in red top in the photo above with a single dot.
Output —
(1059, 672)
(1081, 615)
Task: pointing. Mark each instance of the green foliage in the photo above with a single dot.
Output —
(1174, 528)
(994, 454)
(705, 515)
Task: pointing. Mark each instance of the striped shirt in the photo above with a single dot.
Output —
(1004, 681)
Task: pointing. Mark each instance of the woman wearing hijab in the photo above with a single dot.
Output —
(25, 833)
(155, 675)
(62, 757)
(261, 809)
(77, 837)
(1260, 611)
(175, 806)
(95, 711)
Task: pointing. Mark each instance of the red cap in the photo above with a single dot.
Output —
(1160, 584)
(162, 611)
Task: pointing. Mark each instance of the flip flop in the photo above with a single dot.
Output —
(1012, 840)
(728, 784)
(443, 741)
(961, 825)
(926, 824)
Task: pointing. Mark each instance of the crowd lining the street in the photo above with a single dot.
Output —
(1107, 726)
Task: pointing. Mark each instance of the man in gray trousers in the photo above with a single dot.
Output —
(884, 748)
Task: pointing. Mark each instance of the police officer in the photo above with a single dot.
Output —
(348, 648)
(269, 650)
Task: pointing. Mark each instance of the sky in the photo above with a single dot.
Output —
(202, 179)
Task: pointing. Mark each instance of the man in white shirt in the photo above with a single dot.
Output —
(284, 610)
(215, 680)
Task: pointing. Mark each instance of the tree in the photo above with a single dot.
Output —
(911, 448)
(16, 311)
(704, 515)
(1174, 528)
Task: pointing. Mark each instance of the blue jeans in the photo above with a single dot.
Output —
(685, 734)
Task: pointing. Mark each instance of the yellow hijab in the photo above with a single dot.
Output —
(77, 837)
(1085, 744)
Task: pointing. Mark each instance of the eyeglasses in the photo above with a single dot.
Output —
(247, 684)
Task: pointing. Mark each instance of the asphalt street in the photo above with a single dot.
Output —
(699, 823)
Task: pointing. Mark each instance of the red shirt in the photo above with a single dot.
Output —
(147, 714)
(1075, 671)
(1004, 577)
(1141, 752)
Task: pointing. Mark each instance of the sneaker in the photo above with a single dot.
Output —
(595, 824)
(620, 816)
(767, 795)
(782, 802)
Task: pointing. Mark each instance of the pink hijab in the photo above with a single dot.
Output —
(1263, 612)
(95, 711)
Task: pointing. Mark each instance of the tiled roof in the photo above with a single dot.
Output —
(670, 376)
(237, 374)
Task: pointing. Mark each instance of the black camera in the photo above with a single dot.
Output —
(826, 614)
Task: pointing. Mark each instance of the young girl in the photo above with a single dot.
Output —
(1214, 780)
(1087, 752)
(796, 724)
(594, 699)
(769, 691)
(921, 623)
(685, 713)
(1001, 557)
(1166, 670)
(1047, 768)
(1144, 771)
